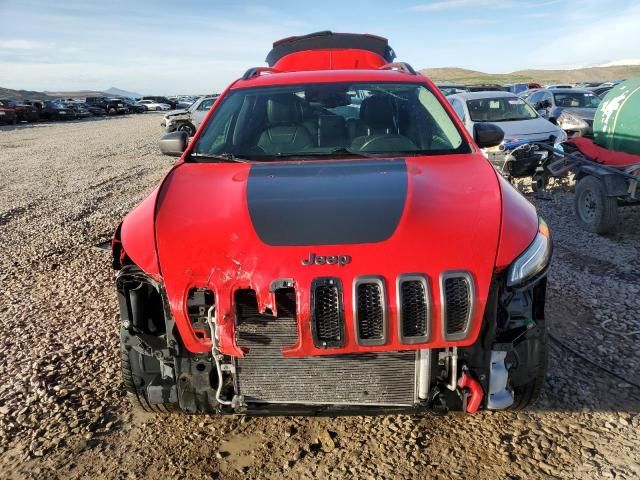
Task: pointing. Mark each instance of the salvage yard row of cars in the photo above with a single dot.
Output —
(13, 111)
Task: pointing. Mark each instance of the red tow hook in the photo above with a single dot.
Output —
(475, 391)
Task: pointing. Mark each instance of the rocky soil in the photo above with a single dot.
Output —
(64, 413)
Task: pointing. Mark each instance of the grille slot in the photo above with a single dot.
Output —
(370, 311)
(265, 376)
(327, 314)
(246, 303)
(457, 304)
(286, 302)
(414, 308)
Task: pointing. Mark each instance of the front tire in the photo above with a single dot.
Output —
(527, 393)
(595, 211)
(133, 371)
(187, 127)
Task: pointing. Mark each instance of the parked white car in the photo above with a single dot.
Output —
(150, 105)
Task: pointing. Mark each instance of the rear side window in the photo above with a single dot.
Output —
(324, 119)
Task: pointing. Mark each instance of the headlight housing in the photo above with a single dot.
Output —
(533, 260)
(568, 121)
(562, 137)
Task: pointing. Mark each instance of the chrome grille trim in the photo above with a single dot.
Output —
(413, 277)
(379, 282)
(462, 333)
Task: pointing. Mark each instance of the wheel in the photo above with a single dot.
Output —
(538, 182)
(136, 371)
(158, 109)
(596, 212)
(187, 127)
(112, 111)
(536, 347)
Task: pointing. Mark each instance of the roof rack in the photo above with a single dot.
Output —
(399, 66)
(256, 71)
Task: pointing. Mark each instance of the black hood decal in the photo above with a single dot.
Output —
(327, 203)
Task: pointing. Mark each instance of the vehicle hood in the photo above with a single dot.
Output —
(228, 226)
(583, 113)
(175, 113)
(534, 129)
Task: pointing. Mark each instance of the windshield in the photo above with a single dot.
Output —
(330, 119)
(577, 99)
(501, 109)
(451, 90)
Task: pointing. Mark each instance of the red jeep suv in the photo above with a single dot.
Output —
(332, 241)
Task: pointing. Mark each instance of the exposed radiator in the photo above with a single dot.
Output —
(264, 375)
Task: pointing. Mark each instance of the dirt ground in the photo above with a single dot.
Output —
(64, 413)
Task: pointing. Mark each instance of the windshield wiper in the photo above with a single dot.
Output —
(335, 151)
(223, 157)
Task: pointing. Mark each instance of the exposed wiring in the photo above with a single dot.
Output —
(592, 362)
(603, 325)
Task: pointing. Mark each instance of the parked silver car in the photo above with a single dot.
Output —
(520, 123)
(517, 118)
(572, 109)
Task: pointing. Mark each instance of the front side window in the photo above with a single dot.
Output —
(458, 108)
(577, 100)
(500, 109)
(330, 119)
(206, 104)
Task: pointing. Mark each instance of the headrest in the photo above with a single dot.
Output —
(284, 109)
(377, 112)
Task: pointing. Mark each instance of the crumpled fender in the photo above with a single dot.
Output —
(135, 237)
(519, 225)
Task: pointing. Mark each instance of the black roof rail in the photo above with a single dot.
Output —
(256, 71)
(400, 66)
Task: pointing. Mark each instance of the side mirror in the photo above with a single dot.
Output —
(174, 144)
(487, 135)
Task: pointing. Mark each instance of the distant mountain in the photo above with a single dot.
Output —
(76, 94)
(592, 74)
(10, 94)
(122, 93)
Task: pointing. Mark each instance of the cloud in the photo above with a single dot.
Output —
(623, 61)
(536, 15)
(588, 42)
(442, 5)
(21, 45)
(452, 4)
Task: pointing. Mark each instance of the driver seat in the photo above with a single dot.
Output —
(285, 132)
(378, 115)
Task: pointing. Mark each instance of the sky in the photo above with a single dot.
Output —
(199, 46)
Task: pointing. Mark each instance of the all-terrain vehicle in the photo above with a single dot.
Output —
(332, 241)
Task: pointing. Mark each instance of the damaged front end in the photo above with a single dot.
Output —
(161, 375)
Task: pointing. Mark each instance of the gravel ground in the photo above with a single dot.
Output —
(64, 413)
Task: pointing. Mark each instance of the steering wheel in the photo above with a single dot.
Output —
(389, 143)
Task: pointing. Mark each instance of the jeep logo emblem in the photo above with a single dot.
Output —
(314, 259)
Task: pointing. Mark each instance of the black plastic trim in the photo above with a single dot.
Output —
(329, 40)
(337, 283)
